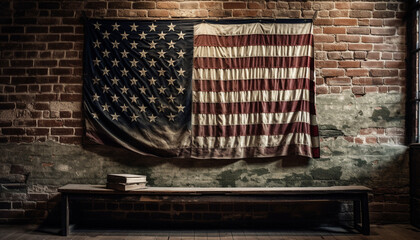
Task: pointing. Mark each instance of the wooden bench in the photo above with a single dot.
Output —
(357, 194)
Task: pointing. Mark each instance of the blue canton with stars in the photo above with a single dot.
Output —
(137, 84)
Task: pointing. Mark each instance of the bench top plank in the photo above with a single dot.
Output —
(101, 189)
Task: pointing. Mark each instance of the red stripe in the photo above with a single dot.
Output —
(252, 40)
(252, 62)
(253, 130)
(235, 153)
(253, 107)
(253, 85)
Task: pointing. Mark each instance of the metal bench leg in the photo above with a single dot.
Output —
(65, 218)
(365, 215)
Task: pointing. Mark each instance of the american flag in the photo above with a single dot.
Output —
(234, 89)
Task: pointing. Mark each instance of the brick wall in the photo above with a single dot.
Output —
(359, 52)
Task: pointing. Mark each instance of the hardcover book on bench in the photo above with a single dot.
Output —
(126, 178)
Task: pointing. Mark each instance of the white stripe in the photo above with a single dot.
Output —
(254, 141)
(253, 51)
(252, 118)
(252, 28)
(251, 73)
(251, 96)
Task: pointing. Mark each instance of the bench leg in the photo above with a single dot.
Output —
(65, 218)
(365, 215)
(356, 213)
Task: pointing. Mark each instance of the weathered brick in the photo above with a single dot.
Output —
(362, 6)
(334, 30)
(331, 72)
(345, 22)
(62, 131)
(234, 5)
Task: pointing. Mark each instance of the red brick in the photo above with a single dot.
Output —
(360, 54)
(358, 90)
(358, 30)
(50, 123)
(383, 31)
(345, 22)
(372, 64)
(323, 21)
(339, 81)
(371, 89)
(62, 131)
(73, 123)
(342, 5)
(167, 5)
(372, 39)
(348, 38)
(360, 47)
(256, 5)
(371, 140)
(383, 73)
(331, 72)
(211, 5)
(13, 131)
(323, 38)
(349, 64)
(95, 5)
(393, 81)
(325, 64)
(357, 72)
(360, 14)
(246, 13)
(335, 47)
(395, 64)
(362, 6)
(384, 14)
(334, 30)
(188, 5)
(321, 90)
(144, 5)
(234, 5)
(37, 131)
(339, 13)
(119, 5)
(61, 29)
(158, 13)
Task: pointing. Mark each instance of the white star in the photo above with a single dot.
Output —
(143, 72)
(180, 108)
(162, 35)
(124, 35)
(134, 117)
(171, 99)
(115, 98)
(181, 35)
(133, 27)
(161, 53)
(152, 81)
(96, 62)
(133, 99)
(96, 44)
(124, 108)
(124, 54)
(171, 62)
(171, 117)
(142, 89)
(161, 90)
(161, 72)
(171, 44)
(115, 44)
(152, 45)
(115, 62)
(97, 25)
(142, 35)
(96, 80)
(152, 27)
(94, 115)
(181, 72)
(105, 89)
(180, 54)
(143, 108)
(124, 72)
(143, 53)
(162, 108)
(152, 99)
(134, 62)
(115, 26)
(106, 34)
(171, 81)
(152, 118)
(180, 90)
(95, 97)
(152, 63)
(134, 44)
(124, 89)
(105, 71)
(105, 107)
(114, 81)
(171, 27)
(133, 81)
(115, 116)
(106, 53)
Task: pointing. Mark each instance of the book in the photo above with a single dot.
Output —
(126, 187)
(126, 178)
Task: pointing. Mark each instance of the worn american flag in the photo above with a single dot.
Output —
(194, 89)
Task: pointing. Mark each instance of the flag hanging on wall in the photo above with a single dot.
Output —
(194, 89)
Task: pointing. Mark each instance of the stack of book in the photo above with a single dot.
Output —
(126, 182)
